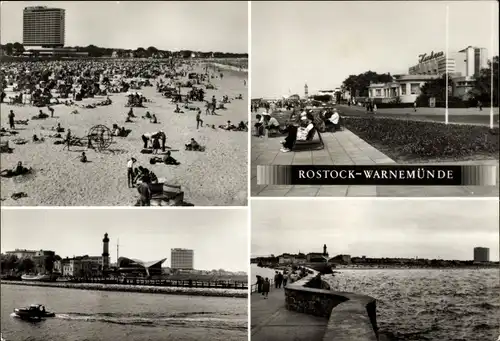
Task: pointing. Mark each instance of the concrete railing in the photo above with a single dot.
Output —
(350, 316)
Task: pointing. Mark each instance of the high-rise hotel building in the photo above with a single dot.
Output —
(43, 26)
(182, 259)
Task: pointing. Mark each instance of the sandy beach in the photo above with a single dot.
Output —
(217, 176)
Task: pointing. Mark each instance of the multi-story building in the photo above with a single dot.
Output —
(22, 253)
(476, 58)
(182, 259)
(44, 261)
(43, 26)
(79, 266)
(481, 254)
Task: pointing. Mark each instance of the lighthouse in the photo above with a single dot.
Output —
(105, 252)
(306, 91)
(325, 253)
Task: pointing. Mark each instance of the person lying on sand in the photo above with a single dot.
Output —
(41, 115)
(227, 126)
(167, 159)
(18, 170)
(38, 139)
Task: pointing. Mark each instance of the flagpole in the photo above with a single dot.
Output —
(493, 14)
(447, 55)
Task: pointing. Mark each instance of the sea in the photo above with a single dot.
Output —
(87, 315)
(423, 304)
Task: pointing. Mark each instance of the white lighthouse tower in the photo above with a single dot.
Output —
(306, 91)
(105, 253)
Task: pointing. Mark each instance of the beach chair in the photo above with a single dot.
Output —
(163, 193)
(314, 141)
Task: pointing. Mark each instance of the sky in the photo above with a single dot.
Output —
(218, 237)
(427, 228)
(322, 43)
(170, 25)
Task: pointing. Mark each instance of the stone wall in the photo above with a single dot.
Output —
(351, 316)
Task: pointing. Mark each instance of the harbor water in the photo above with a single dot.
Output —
(83, 315)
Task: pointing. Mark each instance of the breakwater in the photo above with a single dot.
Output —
(215, 292)
(350, 316)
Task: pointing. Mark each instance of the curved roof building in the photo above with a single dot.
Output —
(125, 264)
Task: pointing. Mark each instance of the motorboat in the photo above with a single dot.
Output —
(39, 278)
(33, 312)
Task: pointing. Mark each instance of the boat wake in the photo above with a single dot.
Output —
(186, 320)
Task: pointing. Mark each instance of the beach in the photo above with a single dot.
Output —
(215, 177)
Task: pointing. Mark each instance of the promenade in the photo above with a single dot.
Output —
(271, 321)
(346, 148)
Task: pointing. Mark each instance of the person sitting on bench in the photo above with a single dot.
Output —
(193, 145)
(299, 133)
(334, 120)
(271, 123)
(259, 126)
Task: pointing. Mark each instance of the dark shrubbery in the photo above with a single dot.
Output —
(426, 140)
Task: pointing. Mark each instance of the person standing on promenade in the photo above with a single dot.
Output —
(130, 172)
(199, 121)
(265, 288)
(276, 279)
(11, 119)
(415, 106)
(480, 105)
(285, 279)
(280, 279)
(259, 284)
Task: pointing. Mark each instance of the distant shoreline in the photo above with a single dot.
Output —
(229, 67)
(146, 289)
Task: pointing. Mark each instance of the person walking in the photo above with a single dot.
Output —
(415, 106)
(199, 121)
(265, 288)
(276, 279)
(51, 111)
(130, 172)
(214, 104)
(280, 280)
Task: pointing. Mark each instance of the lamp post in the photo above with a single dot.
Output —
(446, 71)
(492, 65)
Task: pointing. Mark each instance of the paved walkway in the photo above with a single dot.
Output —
(271, 321)
(344, 148)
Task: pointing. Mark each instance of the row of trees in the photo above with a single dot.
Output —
(11, 263)
(15, 49)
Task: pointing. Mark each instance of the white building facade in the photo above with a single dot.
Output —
(182, 259)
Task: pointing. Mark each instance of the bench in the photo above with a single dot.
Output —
(311, 143)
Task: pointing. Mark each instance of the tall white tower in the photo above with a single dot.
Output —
(306, 91)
